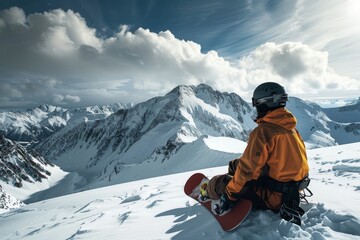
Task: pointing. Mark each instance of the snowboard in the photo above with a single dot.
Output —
(230, 220)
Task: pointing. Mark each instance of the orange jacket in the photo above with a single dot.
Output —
(274, 145)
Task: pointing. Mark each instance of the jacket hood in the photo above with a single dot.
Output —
(281, 117)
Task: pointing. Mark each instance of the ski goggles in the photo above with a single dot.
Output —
(281, 98)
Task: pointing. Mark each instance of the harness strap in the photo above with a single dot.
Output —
(286, 187)
(290, 209)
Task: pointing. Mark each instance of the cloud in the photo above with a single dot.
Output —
(59, 45)
(61, 100)
(54, 56)
(330, 26)
(295, 65)
(13, 16)
(7, 91)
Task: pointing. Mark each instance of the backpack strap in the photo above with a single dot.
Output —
(286, 187)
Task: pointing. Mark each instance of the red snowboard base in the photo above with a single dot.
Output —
(228, 221)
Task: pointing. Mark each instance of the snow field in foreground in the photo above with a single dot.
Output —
(157, 208)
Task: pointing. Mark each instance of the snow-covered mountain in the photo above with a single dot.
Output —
(151, 131)
(145, 141)
(38, 123)
(319, 128)
(157, 208)
(18, 164)
(334, 102)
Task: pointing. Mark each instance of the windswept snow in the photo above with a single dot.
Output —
(225, 144)
(157, 208)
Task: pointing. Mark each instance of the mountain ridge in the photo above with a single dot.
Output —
(136, 122)
(156, 130)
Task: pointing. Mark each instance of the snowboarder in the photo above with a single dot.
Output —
(273, 168)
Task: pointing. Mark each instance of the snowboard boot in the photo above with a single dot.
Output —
(203, 197)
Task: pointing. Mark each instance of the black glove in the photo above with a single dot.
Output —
(222, 206)
(232, 166)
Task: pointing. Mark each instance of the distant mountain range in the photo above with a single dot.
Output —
(322, 126)
(346, 114)
(163, 135)
(36, 124)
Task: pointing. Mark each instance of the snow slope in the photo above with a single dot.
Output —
(24, 172)
(157, 208)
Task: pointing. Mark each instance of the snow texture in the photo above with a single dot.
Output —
(157, 208)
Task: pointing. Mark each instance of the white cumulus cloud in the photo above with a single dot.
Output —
(60, 99)
(295, 65)
(55, 55)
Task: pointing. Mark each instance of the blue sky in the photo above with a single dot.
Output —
(80, 53)
(215, 25)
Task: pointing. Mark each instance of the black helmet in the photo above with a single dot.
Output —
(269, 94)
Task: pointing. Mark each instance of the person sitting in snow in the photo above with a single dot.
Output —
(273, 168)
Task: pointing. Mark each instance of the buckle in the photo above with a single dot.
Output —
(290, 214)
(304, 183)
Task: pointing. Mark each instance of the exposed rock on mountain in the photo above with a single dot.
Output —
(8, 202)
(18, 165)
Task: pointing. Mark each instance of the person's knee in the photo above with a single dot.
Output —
(217, 186)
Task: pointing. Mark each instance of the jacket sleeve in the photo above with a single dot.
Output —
(250, 163)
